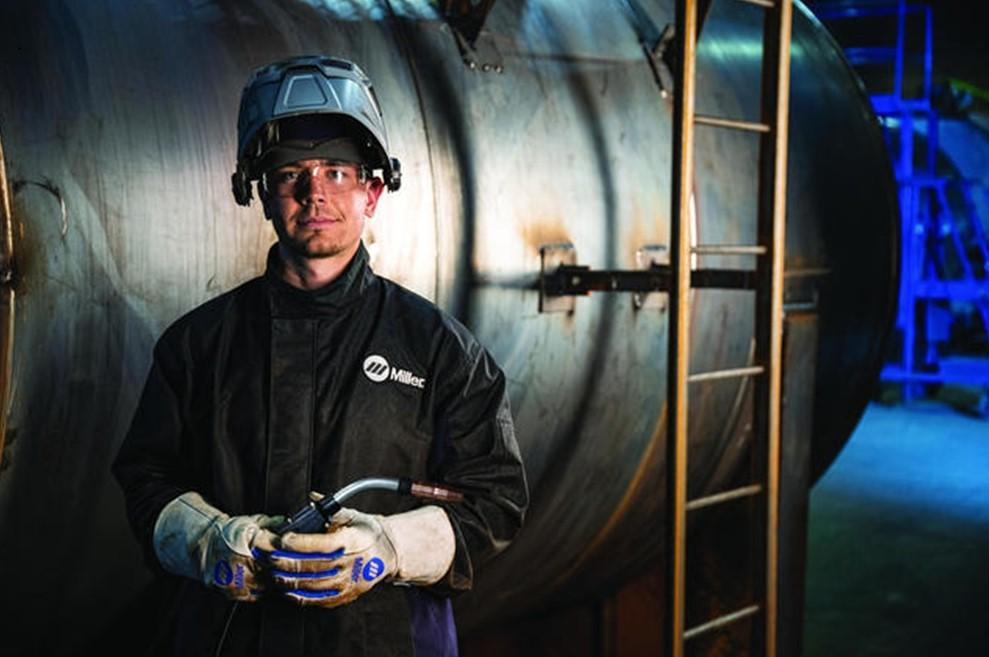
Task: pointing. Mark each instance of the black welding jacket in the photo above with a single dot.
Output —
(268, 392)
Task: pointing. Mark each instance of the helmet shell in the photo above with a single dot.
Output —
(313, 84)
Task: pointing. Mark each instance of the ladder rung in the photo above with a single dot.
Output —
(870, 55)
(922, 181)
(749, 126)
(726, 374)
(768, 4)
(728, 495)
(726, 249)
(721, 621)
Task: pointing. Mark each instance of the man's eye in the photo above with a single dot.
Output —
(288, 176)
(336, 175)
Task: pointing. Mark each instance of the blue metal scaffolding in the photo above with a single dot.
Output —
(944, 261)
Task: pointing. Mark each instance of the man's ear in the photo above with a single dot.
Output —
(375, 187)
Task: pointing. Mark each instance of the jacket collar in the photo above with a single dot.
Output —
(288, 301)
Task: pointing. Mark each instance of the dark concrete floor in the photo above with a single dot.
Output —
(898, 552)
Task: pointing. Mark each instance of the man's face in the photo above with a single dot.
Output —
(319, 207)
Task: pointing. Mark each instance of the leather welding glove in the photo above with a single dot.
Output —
(358, 551)
(196, 540)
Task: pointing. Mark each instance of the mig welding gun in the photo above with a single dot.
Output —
(323, 555)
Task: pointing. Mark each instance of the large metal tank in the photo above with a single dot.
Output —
(117, 123)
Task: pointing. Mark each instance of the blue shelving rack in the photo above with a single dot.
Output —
(944, 251)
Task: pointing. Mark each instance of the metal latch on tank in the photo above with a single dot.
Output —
(561, 279)
(466, 20)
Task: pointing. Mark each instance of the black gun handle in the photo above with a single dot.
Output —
(312, 518)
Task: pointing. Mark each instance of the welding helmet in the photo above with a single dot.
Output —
(311, 107)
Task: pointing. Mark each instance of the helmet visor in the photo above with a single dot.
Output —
(341, 149)
(310, 137)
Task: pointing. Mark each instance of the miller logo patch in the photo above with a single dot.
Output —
(378, 369)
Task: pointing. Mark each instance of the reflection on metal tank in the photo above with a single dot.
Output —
(118, 125)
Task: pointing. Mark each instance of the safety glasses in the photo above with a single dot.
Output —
(330, 177)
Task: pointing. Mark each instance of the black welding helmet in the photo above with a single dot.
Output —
(311, 107)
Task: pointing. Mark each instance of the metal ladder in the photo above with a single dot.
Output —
(766, 373)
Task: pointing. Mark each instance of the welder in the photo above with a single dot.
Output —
(315, 374)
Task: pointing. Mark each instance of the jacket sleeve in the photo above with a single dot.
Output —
(475, 451)
(150, 466)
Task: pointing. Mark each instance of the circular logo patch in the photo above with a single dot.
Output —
(376, 368)
(373, 569)
(222, 573)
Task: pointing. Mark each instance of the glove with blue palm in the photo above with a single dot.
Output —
(359, 551)
(196, 540)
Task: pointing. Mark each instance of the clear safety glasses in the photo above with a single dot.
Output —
(293, 180)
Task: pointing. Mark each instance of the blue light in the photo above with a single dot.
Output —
(944, 251)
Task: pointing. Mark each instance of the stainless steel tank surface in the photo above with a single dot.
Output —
(117, 123)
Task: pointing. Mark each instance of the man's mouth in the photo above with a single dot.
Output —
(318, 220)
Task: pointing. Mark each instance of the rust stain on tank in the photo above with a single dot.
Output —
(537, 234)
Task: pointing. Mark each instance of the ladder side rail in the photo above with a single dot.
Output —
(679, 327)
(928, 50)
(769, 294)
(901, 31)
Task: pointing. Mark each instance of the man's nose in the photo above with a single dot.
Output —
(314, 188)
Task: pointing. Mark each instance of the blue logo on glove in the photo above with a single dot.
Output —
(222, 573)
(373, 570)
(370, 571)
